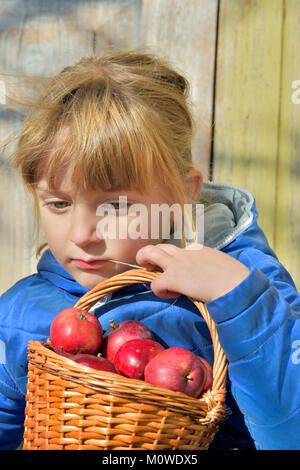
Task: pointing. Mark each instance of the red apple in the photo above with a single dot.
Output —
(95, 362)
(75, 331)
(177, 369)
(67, 354)
(132, 357)
(120, 334)
(209, 374)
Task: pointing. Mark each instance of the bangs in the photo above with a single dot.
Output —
(110, 142)
(114, 122)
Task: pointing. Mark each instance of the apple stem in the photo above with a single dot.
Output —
(82, 316)
(113, 324)
(188, 377)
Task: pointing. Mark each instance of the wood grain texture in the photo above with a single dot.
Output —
(287, 220)
(36, 38)
(247, 101)
(40, 37)
(185, 32)
(255, 122)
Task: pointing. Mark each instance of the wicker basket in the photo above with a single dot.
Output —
(73, 407)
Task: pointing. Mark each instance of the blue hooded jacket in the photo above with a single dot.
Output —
(257, 323)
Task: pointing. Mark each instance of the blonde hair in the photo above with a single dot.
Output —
(128, 118)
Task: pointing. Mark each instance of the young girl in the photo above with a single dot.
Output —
(120, 124)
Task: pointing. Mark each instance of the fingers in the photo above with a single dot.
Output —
(164, 293)
(168, 248)
(151, 256)
(162, 285)
(194, 246)
(161, 255)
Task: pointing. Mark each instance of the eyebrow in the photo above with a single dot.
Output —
(49, 192)
(57, 192)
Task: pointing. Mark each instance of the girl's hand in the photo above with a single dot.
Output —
(197, 271)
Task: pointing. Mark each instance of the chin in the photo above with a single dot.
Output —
(90, 281)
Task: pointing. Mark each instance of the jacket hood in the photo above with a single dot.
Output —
(49, 268)
(221, 213)
(228, 211)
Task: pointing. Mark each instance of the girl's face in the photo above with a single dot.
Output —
(75, 237)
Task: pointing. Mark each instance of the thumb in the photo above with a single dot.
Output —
(151, 257)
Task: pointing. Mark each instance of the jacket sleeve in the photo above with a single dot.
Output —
(258, 324)
(12, 405)
(12, 400)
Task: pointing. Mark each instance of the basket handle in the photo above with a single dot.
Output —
(137, 276)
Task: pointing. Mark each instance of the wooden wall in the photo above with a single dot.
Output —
(257, 124)
(241, 57)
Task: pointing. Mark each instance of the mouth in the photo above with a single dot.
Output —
(80, 263)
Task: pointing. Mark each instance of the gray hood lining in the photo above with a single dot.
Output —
(227, 213)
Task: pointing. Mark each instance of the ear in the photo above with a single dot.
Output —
(192, 184)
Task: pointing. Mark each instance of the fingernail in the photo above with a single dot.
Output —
(194, 246)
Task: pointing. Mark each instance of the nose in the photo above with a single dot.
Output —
(83, 227)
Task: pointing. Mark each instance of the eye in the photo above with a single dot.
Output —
(117, 205)
(57, 205)
(120, 207)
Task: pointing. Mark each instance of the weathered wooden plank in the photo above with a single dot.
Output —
(185, 32)
(16, 217)
(287, 220)
(36, 38)
(247, 101)
(42, 42)
(40, 37)
(116, 24)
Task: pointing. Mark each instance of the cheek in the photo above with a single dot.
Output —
(124, 229)
(145, 227)
(159, 223)
(53, 227)
(131, 235)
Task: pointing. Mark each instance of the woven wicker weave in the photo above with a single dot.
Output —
(71, 406)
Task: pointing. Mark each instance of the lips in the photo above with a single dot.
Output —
(89, 264)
